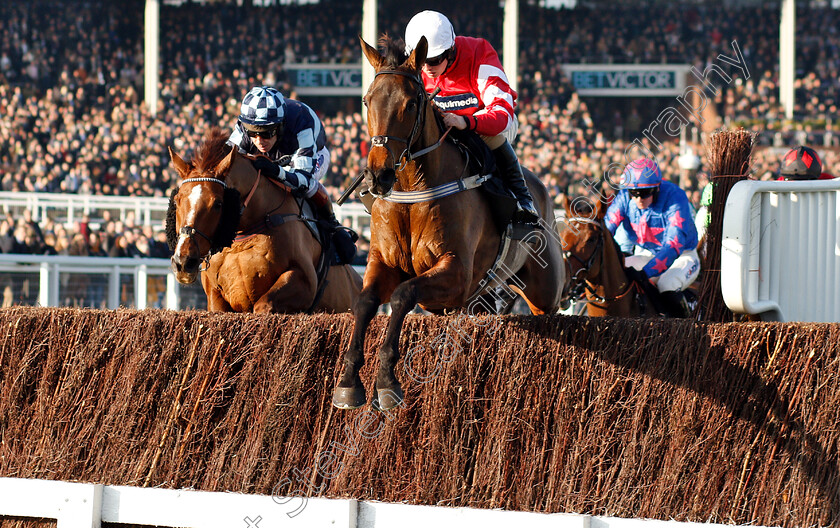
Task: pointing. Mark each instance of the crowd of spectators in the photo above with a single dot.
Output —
(72, 118)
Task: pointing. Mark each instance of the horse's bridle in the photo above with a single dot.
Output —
(422, 100)
(189, 231)
(579, 282)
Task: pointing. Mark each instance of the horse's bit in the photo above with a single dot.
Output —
(189, 231)
(422, 100)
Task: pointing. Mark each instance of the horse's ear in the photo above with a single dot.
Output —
(180, 165)
(418, 56)
(564, 203)
(224, 166)
(372, 54)
(600, 209)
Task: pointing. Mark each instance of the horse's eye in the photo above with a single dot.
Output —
(412, 106)
(217, 204)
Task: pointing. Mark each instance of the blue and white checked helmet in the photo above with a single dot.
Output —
(640, 174)
(263, 106)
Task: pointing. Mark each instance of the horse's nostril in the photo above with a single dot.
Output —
(191, 263)
(386, 178)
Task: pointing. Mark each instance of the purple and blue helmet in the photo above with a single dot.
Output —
(641, 174)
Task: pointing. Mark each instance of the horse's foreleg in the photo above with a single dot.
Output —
(215, 301)
(293, 292)
(379, 283)
(443, 282)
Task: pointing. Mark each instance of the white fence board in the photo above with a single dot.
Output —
(79, 505)
(780, 254)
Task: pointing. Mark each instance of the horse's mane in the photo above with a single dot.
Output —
(394, 51)
(213, 150)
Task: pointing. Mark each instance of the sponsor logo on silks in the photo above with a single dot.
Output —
(457, 102)
(319, 162)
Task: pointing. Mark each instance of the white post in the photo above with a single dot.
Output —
(370, 32)
(173, 293)
(152, 34)
(141, 287)
(511, 42)
(81, 508)
(44, 285)
(787, 56)
(114, 288)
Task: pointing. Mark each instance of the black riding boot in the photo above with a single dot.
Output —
(344, 239)
(675, 304)
(511, 172)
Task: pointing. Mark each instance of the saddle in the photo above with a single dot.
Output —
(480, 160)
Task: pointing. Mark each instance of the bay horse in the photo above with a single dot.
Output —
(429, 248)
(259, 253)
(596, 265)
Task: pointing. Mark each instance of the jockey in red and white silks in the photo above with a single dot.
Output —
(474, 95)
(475, 85)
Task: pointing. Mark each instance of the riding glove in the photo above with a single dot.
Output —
(267, 167)
(636, 275)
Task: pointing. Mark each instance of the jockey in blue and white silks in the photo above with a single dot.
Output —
(290, 141)
(657, 218)
(299, 134)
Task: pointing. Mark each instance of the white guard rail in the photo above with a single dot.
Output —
(70, 208)
(780, 256)
(77, 505)
(99, 282)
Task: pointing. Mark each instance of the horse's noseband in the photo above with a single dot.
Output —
(579, 282)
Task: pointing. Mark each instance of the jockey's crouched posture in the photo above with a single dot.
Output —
(474, 95)
(289, 132)
(657, 218)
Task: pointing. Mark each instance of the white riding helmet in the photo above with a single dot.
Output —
(435, 27)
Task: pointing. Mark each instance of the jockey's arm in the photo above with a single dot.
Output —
(497, 97)
(616, 216)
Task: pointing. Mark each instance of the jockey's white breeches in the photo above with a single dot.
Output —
(678, 277)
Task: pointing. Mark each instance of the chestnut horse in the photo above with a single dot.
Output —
(433, 251)
(596, 265)
(271, 266)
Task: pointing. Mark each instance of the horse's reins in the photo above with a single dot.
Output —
(579, 281)
(422, 100)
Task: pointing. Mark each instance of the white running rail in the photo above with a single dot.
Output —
(105, 281)
(780, 256)
(70, 208)
(77, 505)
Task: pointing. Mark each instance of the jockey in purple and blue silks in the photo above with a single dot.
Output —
(657, 218)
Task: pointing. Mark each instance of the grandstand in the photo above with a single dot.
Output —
(73, 120)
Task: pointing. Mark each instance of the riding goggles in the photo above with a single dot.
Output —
(436, 61)
(642, 193)
(265, 134)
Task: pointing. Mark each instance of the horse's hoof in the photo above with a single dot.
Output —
(349, 397)
(387, 399)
